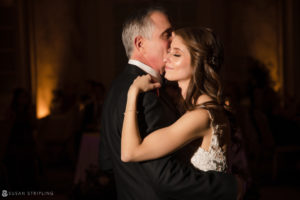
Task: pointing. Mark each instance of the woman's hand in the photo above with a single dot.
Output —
(144, 83)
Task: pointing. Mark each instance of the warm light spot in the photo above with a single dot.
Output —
(263, 34)
(44, 97)
(43, 109)
(47, 82)
(53, 51)
(269, 57)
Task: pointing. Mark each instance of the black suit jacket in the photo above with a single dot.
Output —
(163, 178)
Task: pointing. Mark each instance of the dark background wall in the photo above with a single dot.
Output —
(65, 54)
(62, 43)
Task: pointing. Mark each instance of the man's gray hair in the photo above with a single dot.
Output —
(138, 25)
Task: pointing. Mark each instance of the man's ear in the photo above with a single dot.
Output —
(139, 43)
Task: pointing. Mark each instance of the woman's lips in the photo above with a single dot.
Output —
(168, 68)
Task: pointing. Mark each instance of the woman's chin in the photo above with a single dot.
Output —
(168, 77)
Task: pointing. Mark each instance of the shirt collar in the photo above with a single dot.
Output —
(146, 68)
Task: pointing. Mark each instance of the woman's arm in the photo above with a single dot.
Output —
(130, 130)
(190, 126)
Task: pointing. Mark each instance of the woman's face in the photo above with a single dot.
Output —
(178, 61)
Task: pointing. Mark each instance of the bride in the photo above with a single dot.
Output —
(194, 59)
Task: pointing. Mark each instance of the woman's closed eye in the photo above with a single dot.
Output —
(176, 55)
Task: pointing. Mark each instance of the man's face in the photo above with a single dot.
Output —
(156, 48)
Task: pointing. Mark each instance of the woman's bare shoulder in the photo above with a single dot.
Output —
(203, 99)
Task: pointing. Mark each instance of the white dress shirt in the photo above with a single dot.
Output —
(146, 68)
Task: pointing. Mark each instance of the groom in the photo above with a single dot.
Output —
(146, 38)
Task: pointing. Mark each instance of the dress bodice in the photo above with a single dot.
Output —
(215, 157)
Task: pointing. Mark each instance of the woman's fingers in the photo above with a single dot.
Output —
(151, 86)
(145, 83)
(156, 85)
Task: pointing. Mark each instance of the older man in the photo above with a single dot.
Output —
(146, 38)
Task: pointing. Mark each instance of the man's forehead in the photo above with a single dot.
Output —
(160, 20)
(161, 24)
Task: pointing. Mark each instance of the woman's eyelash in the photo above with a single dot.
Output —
(176, 55)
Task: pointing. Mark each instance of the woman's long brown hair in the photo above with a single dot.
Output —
(206, 58)
(206, 52)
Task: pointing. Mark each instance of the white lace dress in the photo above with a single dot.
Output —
(215, 157)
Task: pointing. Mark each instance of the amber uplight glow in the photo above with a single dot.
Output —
(272, 61)
(47, 82)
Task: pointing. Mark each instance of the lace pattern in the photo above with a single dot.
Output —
(215, 157)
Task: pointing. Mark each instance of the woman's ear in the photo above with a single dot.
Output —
(139, 43)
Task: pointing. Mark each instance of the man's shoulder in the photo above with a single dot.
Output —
(120, 85)
(129, 73)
